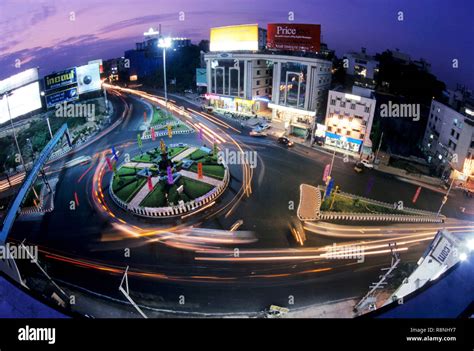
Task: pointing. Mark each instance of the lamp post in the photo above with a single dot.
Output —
(164, 43)
(6, 94)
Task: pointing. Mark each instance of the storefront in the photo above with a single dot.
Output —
(237, 105)
(342, 142)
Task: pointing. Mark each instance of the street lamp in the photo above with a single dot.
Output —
(6, 95)
(164, 43)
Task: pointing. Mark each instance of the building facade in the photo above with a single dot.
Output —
(292, 88)
(361, 65)
(449, 140)
(348, 121)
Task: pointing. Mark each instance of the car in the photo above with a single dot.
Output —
(367, 164)
(257, 133)
(264, 126)
(359, 167)
(285, 141)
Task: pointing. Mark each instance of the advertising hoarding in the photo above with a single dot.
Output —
(234, 38)
(18, 80)
(88, 78)
(66, 95)
(101, 64)
(60, 79)
(21, 101)
(294, 37)
(201, 77)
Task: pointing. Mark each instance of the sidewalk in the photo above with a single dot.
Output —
(336, 309)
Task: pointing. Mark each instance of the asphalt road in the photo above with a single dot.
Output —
(87, 235)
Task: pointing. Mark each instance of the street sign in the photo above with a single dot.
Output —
(416, 194)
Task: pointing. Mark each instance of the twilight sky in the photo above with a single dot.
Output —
(40, 32)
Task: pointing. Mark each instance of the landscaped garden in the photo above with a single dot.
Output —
(173, 173)
(347, 204)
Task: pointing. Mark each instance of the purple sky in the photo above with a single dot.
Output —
(40, 32)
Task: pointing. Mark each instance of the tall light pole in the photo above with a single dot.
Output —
(6, 94)
(445, 198)
(164, 43)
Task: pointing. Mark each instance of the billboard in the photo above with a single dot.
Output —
(21, 101)
(234, 38)
(201, 77)
(18, 80)
(88, 78)
(101, 65)
(66, 95)
(60, 79)
(294, 37)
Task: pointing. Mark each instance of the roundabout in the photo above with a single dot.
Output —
(169, 181)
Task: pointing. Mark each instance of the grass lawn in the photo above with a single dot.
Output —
(127, 192)
(215, 171)
(173, 151)
(125, 171)
(196, 155)
(156, 198)
(194, 188)
(159, 117)
(345, 204)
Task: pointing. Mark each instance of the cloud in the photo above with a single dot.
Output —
(136, 21)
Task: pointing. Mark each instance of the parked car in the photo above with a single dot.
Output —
(359, 167)
(264, 126)
(367, 164)
(285, 141)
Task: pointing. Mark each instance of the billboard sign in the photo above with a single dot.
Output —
(19, 80)
(60, 79)
(67, 95)
(294, 37)
(235, 38)
(21, 101)
(201, 77)
(88, 78)
(101, 64)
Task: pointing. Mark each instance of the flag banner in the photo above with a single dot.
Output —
(153, 135)
(416, 194)
(199, 170)
(326, 172)
(150, 184)
(170, 175)
(109, 164)
(139, 140)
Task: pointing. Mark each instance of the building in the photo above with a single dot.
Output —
(285, 86)
(449, 139)
(348, 121)
(147, 58)
(361, 65)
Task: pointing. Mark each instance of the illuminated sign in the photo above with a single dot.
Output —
(352, 97)
(88, 78)
(21, 101)
(294, 37)
(101, 65)
(60, 79)
(19, 80)
(59, 97)
(235, 38)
